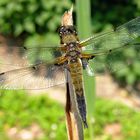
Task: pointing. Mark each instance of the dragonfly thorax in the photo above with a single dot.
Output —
(73, 52)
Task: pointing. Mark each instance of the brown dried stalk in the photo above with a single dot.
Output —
(73, 120)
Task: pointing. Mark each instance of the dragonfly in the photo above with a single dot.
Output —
(74, 56)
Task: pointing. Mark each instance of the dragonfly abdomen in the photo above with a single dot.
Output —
(77, 80)
(82, 108)
(76, 75)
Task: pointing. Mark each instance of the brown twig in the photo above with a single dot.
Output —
(73, 120)
(74, 124)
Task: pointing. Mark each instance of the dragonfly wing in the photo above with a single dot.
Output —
(122, 35)
(30, 67)
(116, 59)
(36, 54)
(22, 56)
(39, 76)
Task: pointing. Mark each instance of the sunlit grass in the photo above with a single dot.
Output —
(21, 111)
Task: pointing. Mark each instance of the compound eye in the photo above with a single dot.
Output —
(61, 30)
(74, 30)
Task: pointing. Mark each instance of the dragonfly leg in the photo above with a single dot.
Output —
(61, 60)
(63, 48)
(85, 63)
(85, 58)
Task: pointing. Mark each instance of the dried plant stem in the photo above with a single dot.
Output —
(74, 124)
(73, 120)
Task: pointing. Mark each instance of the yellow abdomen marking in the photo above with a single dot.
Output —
(76, 75)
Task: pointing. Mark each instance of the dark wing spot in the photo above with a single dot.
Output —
(34, 67)
(25, 48)
(2, 77)
(2, 73)
(92, 57)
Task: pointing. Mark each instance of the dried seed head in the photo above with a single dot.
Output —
(67, 18)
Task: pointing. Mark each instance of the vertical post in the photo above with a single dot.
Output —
(84, 29)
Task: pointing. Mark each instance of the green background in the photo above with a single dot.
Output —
(33, 22)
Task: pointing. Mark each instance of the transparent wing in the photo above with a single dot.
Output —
(39, 76)
(34, 67)
(32, 54)
(121, 36)
(116, 59)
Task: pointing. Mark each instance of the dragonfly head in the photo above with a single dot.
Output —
(67, 34)
(67, 30)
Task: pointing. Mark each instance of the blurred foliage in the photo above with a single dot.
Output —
(37, 23)
(109, 112)
(31, 17)
(17, 109)
(112, 13)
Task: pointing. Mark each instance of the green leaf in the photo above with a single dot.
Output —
(18, 29)
(136, 67)
(2, 2)
(131, 78)
(123, 72)
(32, 7)
(44, 16)
(2, 12)
(29, 26)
